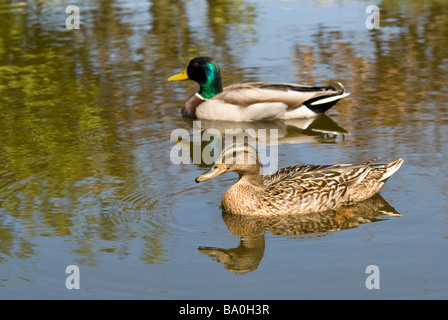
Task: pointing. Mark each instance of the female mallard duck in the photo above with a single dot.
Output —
(295, 189)
(252, 101)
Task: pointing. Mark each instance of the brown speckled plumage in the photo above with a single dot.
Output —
(295, 189)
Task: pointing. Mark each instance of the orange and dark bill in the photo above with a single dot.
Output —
(214, 171)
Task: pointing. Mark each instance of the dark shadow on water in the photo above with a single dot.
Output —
(248, 254)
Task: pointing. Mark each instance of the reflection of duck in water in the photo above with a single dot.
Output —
(242, 259)
(247, 256)
(295, 189)
(321, 128)
(252, 101)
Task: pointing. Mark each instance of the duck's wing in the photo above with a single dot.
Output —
(316, 98)
(313, 190)
(315, 177)
(310, 171)
(290, 172)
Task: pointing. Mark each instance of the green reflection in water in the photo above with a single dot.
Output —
(70, 103)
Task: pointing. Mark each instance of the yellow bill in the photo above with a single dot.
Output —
(180, 76)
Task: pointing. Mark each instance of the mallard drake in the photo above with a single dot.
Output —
(295, 189)
(252, 101)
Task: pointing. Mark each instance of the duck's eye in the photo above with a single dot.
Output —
(234, 153)
(215, 167)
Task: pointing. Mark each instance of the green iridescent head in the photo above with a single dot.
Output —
(206, 73)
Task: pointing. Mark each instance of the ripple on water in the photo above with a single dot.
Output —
(139, 211)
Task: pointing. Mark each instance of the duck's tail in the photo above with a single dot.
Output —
(383, 171)
(391, 168)
(322, 103)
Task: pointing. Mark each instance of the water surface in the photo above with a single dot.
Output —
(86, 177)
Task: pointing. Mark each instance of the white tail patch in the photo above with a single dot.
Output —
(329, 99)
(392, 169)
(391, 214)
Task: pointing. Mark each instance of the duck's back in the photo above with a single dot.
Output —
(257, 92)
(267, 101)
(311, 188)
